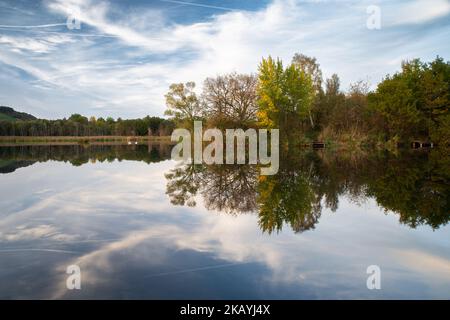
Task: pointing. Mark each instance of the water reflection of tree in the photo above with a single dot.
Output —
(336, 174)
(78, 154)
(413, 185)
(287, 198)
(283, 198)
(228, 188)
(417, 187)
(184, 183)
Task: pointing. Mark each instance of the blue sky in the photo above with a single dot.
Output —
(126, 53)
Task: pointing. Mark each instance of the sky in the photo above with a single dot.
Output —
(118, 58)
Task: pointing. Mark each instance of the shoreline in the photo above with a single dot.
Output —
(329, 144)
(73, 140)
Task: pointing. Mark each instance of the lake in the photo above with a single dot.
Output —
(140, 225)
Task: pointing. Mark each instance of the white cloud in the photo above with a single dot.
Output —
(35, 45)
(418, 11)
(39, 232)
(95, 14)
(128, 74)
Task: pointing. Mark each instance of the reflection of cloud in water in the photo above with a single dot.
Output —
(23, 233)
(425, 263)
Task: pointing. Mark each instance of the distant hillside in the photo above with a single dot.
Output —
(9, 114)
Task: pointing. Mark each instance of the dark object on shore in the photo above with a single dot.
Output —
(318, 145)
(418, 144)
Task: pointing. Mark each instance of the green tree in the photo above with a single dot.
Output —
(183, 104)
(285, 97)
(414, 103)
(436, 87)
(311, 67)
(393, 99)
(330, 104)
(271, 97)
(286, 197)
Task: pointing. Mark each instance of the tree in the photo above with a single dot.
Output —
(356, 105)
(285, 96)
(414, 103)
(182, 103)
(310, 67)
(78, 125)
(270, 92)
(394, 101)
(330, 104)
(436, 86)
(286, 198)
(230, 100)
(78, 118)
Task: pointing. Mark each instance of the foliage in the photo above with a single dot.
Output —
(411, 104)
(285, 97)
(182, 103)
(412, 185)
(286, 197)
(78, 125)
(414, 103)
(311, 67)
(230, 100)
(77, 155)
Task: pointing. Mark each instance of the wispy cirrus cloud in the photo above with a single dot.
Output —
(35, 45)
(418, 11)
(125, 56)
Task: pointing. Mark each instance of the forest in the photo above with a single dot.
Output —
(409, 105)
(78, 125)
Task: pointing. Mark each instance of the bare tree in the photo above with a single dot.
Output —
(230, 98)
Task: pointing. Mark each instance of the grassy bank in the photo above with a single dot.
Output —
(26, 140)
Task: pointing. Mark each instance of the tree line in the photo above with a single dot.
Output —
(78, 125)
(411, 104)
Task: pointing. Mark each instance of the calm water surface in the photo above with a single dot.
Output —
(142, 226)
